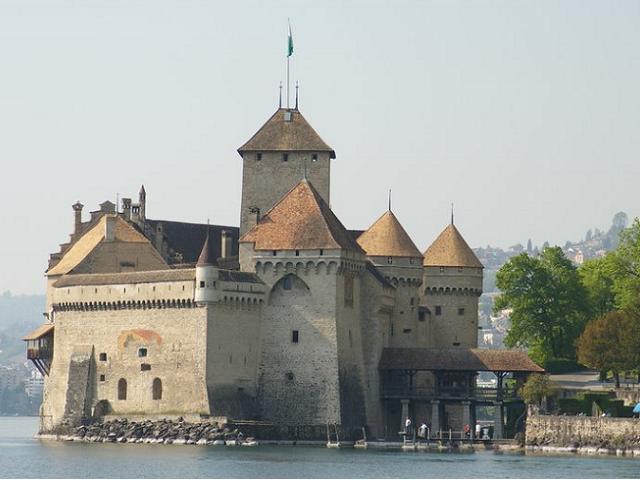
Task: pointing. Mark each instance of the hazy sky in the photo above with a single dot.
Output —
(526, 114)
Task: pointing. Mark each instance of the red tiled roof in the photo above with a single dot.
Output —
(302, 220)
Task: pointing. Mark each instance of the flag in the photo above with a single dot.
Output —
(290, 42)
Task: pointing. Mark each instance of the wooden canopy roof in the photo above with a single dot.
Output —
(457, 359)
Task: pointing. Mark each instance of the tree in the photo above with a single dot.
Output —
(605, 344)
(625, 268)
(549, 304)
(538, 387)
(598, 277)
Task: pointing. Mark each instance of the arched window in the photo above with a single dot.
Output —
(157, 389)
(286, 282)
(122, 389)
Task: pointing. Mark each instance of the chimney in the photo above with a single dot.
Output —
(77, 212)
(142, 200)
(225, 250)
(254, 217)
(159, 238)
(110, 228)
(126, 208)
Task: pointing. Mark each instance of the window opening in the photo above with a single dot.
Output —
(122, 389)
(156, 389)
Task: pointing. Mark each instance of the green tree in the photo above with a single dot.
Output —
(625, 268)
(548, 302)
(598, 277)
(538, 387)
(606, 344)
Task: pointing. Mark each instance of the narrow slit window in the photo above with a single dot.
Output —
(295, 336)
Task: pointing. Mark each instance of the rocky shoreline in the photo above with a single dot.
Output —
(160, 432)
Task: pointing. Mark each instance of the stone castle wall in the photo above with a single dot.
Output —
(233, 353)
(266, 181)
(299, 381)
(565, 431)
(453, 289)
(175, 343)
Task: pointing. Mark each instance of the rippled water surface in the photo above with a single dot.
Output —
(23, 456)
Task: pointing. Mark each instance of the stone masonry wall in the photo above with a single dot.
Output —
(233, 338)
(175, 342)
(266, 181)
(299, 381)
(564, 431)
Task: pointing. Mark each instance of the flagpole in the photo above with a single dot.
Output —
(288, 82)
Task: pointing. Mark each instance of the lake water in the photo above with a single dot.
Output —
(23, 456)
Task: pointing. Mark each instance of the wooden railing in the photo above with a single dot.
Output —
(461, 393)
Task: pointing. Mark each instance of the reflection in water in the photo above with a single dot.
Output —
(23, 456)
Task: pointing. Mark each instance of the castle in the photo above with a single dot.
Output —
(290, 319)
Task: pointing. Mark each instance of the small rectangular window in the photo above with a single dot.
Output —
(297, 253)
(421, 316)
(321, 252)
(456, 344)
(461, 311)
(295, 336)
(412, 300)
(438, 310)
(389, 260)
(406, 330)
(103, 357)
(201, 283)
(441, 269)
(145, 367)
(275, 253)
(259, 156)
(286, 283)
(314, 157)
(285, 157)
(142, 352)
(102, 378)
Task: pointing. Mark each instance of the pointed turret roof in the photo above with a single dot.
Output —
(450, 250)
(286, 131)
(207, 257)
(302, 220)
(387, 238)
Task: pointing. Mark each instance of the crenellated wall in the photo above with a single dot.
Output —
(455, 290)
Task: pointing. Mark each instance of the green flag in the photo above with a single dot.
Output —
(290, 42)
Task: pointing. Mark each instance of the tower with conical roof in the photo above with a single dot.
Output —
(283, 151)
(451, 287)
(389, 247)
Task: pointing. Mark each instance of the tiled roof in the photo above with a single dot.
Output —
(207, 256)
(460, 359)
(387, 238)
(188, 238)
(39, 332)
(450, 250)
(279, 135)
(302, 220)
(123, 232)
(152, 276)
